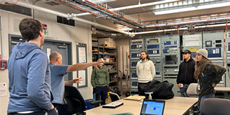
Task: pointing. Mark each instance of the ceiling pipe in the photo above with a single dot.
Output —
(134, 6)
(168, 30)
(66, 16)
(191, 22)
(158, 31)
(116, 14)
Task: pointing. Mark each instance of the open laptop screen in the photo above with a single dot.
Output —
(152, 107)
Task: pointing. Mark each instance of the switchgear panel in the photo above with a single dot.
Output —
(193, 42)
(170, 59)
(213, 42)
(153, 47)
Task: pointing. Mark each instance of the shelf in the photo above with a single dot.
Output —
(113, 81)
(96, 54)
(94, 40)
(112, 72)
(112, 48)
(110, 54)
(94, 46)
(110, 62)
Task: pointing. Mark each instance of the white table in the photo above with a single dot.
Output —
(174, 106)
(225, 89)
(222, 89)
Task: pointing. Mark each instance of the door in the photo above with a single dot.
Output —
(64, 48)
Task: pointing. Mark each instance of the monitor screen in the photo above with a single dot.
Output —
(151, 107)
(208, 43)
(171, 59)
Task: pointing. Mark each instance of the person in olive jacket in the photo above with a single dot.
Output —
(186, 73)
(100, 82)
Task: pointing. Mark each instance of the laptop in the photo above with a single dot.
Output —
(152, 107)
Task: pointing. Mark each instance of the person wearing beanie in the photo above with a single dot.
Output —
(185, 74)
(207, 74)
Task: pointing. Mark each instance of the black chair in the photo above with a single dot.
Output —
(114, 96)
(215, 106)
(75, 102)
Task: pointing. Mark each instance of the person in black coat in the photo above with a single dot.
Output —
(186, 73)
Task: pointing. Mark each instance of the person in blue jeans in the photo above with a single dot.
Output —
(185, 75)
(208, 74)
(100, 82)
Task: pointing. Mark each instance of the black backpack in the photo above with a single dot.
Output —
(161, 90)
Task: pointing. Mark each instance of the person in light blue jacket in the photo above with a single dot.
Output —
(29, 74)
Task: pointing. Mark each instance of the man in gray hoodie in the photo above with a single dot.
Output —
(29, 74)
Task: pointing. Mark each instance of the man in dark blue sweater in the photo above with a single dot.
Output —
(29, 74)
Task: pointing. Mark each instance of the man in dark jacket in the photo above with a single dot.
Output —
(186, 73)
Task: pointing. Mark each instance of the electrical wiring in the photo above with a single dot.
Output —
(9, 4)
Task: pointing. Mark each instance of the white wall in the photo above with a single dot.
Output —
(81, 34)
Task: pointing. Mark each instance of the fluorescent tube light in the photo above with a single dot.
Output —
(208, 6)
(175, 10)
(213, 5)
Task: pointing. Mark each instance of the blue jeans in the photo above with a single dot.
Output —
(201, 98)
(183, 90)
(101, 92)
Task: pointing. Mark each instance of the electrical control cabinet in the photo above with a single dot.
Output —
(136, 45)
(192, 42)
(153, 47)
(170, 45)
(227, 52)
(213, 42)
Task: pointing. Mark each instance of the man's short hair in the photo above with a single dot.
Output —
(30, 28)
(53, 55)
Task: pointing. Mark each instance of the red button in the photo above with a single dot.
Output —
(4, 65)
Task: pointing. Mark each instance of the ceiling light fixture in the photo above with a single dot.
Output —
(207, 6)
(175, 10)
(213, 5)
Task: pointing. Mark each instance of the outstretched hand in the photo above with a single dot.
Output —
(77, 80)
(96, 64)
